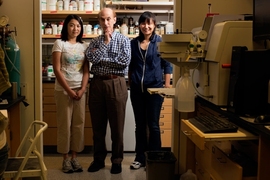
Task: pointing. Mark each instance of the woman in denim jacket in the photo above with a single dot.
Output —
(147, 70)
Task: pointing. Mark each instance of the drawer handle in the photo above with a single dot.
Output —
(161, 123)
(161, 116)
(162, 108)
(161, 131)
(201, 171)
(221, 160)
(186, 133)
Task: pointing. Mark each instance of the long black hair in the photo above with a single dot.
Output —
(146, 16)
(64, 32)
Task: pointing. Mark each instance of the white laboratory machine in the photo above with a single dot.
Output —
(212, 70)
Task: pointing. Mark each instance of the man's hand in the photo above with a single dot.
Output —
(108, 36)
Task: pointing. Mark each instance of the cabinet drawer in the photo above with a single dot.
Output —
(48, 100)
(165, 125)
(50, 119)
(222, 165)
(48, 92)
(166, 138)
(166, 109)
(203, 157)
(48, 85)
(167, 101)
(201, 173)
(49, 107)
(166, 117)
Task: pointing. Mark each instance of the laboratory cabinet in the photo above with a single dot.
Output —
(221, 156)
(165, 123)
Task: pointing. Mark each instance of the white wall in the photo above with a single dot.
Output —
(26, 17)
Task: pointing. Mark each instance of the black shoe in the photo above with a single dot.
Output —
(116, 168)
(96, 166)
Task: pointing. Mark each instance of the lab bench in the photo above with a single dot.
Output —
(236, 156)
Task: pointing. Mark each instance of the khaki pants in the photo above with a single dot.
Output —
(70, 115)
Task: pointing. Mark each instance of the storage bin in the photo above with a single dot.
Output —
(160, 165)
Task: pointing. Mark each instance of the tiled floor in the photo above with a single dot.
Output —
(54, 163)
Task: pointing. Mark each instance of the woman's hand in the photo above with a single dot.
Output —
(79, 94)
(72, 94)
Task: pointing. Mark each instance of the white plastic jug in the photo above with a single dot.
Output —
(185, 97)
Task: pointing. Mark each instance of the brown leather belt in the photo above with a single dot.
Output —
(107, 77)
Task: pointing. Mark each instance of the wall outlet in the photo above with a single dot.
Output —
(23, 89)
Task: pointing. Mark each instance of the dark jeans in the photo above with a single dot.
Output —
(146, 108)
(107, 103)
(3, 160)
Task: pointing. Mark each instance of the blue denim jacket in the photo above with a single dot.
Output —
(147, 71)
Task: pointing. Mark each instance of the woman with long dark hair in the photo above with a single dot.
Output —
(72, 73)
(147, 70)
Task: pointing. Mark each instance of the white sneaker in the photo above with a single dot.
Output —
(67, 167)
(136, 165)
(76, 165)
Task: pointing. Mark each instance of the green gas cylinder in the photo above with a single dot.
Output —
(12, 60)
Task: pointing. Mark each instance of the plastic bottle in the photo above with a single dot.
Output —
(189, 175)
(66, 5)
(95, 29)
(81, 5)
(74, 5)
(124, 29)
(60, 5)
(60, 27)
(50, 70)
(43, 5)
(96, 5)
(88, 29)
(88, 5)
(54, 29)
(186, 94)
(169, 28)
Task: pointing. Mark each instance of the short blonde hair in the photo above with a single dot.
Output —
(106, 8)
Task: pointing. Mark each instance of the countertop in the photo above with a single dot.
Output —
(11, 102)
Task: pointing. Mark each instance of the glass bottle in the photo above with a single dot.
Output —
(136, 28)
(48, 29)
